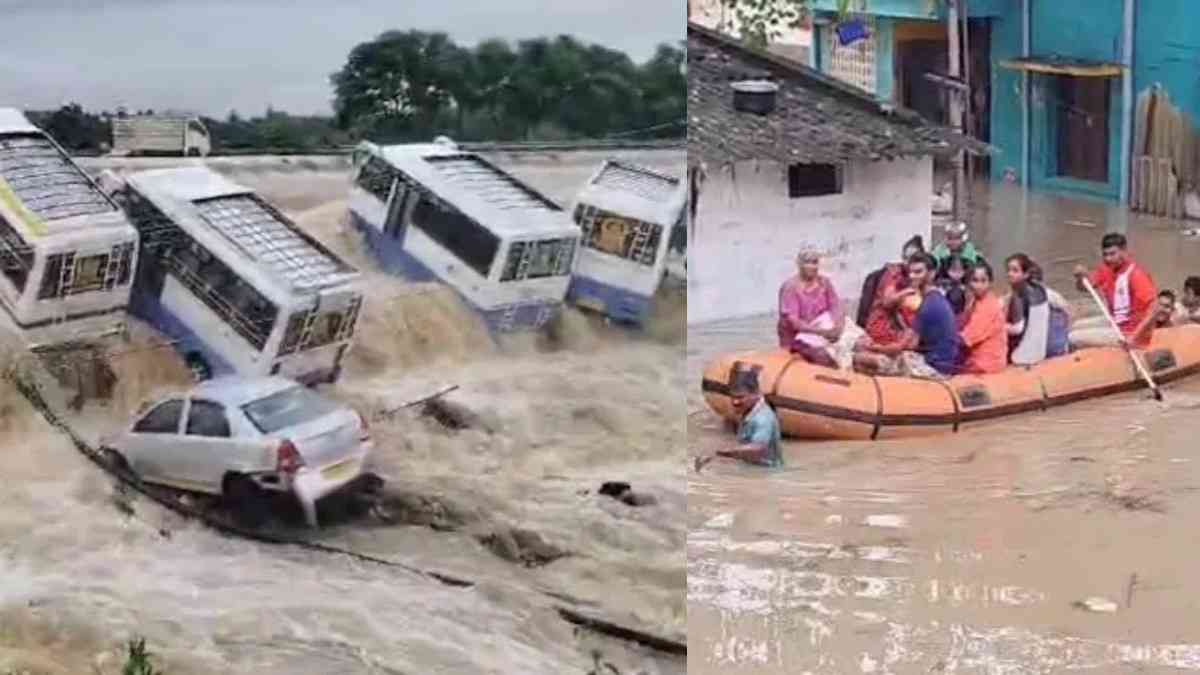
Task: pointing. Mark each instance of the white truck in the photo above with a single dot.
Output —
(160, 134)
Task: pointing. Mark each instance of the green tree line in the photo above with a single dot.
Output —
(406, 86)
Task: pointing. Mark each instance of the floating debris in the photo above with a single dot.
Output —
(1096, 604)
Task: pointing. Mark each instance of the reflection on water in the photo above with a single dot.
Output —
(965, 553)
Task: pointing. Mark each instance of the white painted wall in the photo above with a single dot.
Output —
(747, 232)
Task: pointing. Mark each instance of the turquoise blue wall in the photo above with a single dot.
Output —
(917, 9)
(1007, 106)
(1167, 40)
(885, 78)
(1056, 28)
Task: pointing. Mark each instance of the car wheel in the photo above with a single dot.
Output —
(114, 461)
(246, 499)
(196, 363)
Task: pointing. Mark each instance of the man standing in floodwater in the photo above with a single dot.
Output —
(1129, 292)
(758, 432)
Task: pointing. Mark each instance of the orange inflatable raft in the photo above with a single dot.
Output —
(819, 403)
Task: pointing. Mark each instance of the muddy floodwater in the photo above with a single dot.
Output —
(504, 495)
(1049, 542)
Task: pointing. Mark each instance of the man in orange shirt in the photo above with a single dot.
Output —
(1129, 292)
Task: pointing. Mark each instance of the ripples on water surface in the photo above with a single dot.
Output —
(963, 553)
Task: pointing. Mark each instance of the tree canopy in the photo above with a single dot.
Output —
(413, 85)
(406, 85)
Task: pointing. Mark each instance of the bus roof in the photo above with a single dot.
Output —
(42, 186)
(481, 190)
(636, 192)
(205, 203)
(13, 121)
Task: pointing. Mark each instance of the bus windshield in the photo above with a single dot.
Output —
(538, 259)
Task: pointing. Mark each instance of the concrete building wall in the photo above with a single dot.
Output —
(1056, 28)
(748, 231)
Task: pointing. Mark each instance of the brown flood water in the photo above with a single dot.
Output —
(964, 553)
(79, 576)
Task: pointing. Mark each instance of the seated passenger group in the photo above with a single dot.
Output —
(937, 315)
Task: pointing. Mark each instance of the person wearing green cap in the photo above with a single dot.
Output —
(758, 432)
(956, 244)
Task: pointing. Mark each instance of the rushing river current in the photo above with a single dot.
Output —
(510, 502)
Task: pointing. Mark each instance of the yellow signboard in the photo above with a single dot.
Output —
(10, 199)
(610, 234)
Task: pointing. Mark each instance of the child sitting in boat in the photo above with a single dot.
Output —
(952, 279)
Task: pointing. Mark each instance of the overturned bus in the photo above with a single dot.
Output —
(67, 252)
(434, 213)
(237, 285)
(631, 218)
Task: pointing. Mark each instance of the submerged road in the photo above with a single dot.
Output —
(966, 553)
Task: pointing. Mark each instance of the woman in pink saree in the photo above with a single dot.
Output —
(811, 318)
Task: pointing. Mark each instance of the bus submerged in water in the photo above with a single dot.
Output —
(430, 212)
(631, 218)
(237, 285)
(67, 251)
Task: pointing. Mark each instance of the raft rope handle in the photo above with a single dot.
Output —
(35, 398)
(878, 408)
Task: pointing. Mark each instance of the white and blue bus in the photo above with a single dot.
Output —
(67, 252)
(238, 286)
(630, 217)
(431, 212)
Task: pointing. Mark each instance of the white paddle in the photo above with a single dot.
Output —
(1137, 360)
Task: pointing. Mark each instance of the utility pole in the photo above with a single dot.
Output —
(956, 108)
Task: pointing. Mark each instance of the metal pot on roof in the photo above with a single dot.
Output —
(755, 96)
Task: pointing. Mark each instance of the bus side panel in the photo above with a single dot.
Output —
(311, 365)
(389, 253)
(197, 328)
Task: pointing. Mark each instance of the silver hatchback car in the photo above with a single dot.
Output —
(243, 438)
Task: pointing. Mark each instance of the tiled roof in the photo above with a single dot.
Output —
(817, 119)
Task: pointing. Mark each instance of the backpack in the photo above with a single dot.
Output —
(867, 298)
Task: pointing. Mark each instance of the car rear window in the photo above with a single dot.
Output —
(287, 408)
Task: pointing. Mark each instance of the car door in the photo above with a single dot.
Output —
(212, 447)
(152, 445)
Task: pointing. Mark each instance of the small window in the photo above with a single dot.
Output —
(207, 419)
(376, 178)
(89, 273)
(814, 180)
(162, 420)
(548, 258)
(51, 277)
(16, 257)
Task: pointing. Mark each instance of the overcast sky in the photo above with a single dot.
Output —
(211, 56)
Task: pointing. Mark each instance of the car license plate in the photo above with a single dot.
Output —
(340, 470)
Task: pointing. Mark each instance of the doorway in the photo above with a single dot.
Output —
(1082, 127)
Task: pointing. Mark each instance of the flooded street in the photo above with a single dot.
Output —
(506, 499)
(969, 553)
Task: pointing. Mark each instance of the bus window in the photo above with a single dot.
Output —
(89, 273)
(465, 239)
(376, 178)
(16, 258)
(238, 304)
(548, 258)
(623, 237)
(327, 328)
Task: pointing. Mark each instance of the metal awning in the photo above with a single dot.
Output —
(1057, 65)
